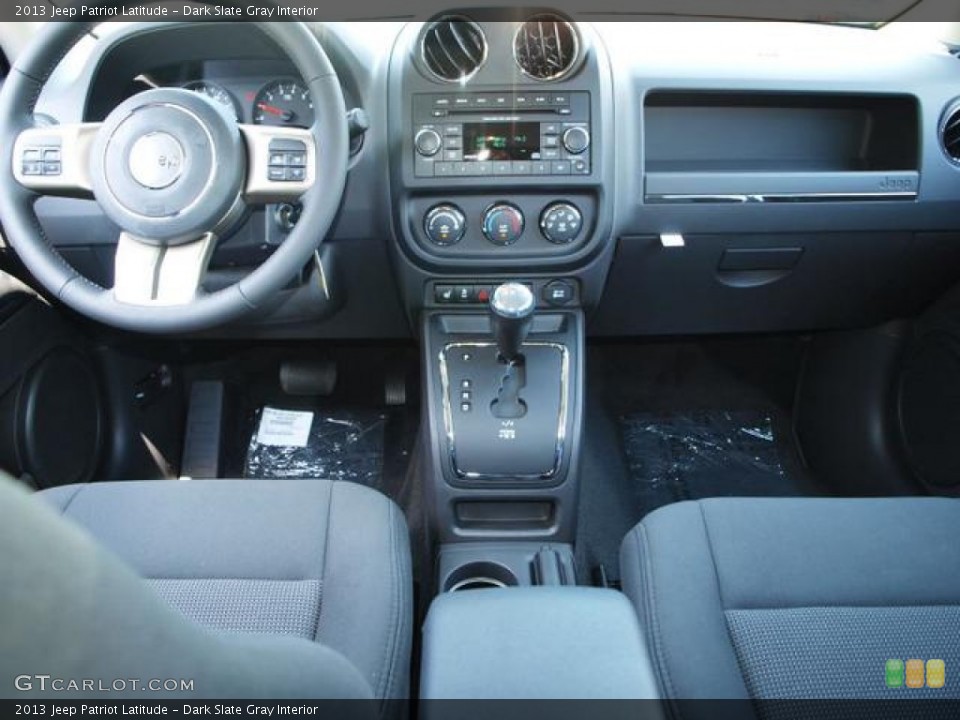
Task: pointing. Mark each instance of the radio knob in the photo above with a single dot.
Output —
(576, 140)
(428, 142)
(561, 223)
(445, 225)
(503, 224)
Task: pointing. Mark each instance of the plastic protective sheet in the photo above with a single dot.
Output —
(345, 445)
(703, 454)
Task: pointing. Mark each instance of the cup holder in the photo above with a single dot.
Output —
(479, 576)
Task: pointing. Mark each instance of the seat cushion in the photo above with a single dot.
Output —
(327, 561)
(773, 599)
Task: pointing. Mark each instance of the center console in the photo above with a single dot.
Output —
(500, 157)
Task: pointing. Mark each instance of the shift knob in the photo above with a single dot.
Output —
(511, 309)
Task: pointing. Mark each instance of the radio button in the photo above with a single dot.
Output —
(521, 167)
(444, 225)
(503, 224)
(551, 141)
(561, 223)
(428, 142)
(561, 167)
(443, 169)
(550, 129)
(576, 140)
(540, 168)
(453, 143)
(452, 156)
(453, 130)
(503, 168)
(550, 154)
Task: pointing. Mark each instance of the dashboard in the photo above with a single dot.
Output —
(667, 178)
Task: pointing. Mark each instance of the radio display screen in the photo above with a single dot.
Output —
(501, 141)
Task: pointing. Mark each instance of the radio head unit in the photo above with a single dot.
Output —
(501, 134)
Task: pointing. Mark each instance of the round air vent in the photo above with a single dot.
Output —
(950, 132)
(546, 47)
(453, 48)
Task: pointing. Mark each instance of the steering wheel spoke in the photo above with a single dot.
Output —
(55, 160)
(157, 275)
(281, 163)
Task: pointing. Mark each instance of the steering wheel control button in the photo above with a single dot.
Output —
(444, 225)
(561, 223)
(559, 293)
(156, 160)
(41, 160)
(288, 161)
(576, 140)
(428, 142)
(503, 224)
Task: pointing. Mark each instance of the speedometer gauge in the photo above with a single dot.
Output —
(216, 93)
(284, 102)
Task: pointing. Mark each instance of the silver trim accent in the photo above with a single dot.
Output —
(160, 276)
(953, 109)
(324, 286)
(574, 60)
(562, 422)
(463, 79)
(777, 197)
(492, 582)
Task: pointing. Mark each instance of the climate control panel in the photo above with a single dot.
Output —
(503, 224)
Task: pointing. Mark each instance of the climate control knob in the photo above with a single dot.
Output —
(444, 225)
(503, 224)
(561, 223)
(428, 142)
(576, 140)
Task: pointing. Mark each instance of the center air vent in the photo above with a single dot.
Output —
(546, 47)
(453, 48)
(950, 132)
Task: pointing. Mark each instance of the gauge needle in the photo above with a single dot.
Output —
(283, 114)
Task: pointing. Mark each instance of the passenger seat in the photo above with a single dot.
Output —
(799, 599)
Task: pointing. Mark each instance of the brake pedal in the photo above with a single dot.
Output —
(308, 378)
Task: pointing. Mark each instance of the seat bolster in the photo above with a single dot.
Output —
(367, 609)
(668, 572)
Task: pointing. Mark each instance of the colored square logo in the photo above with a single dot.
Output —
(915, 673)
(894, 673)
(936, 673)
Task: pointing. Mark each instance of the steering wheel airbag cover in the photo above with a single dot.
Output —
(167, 165)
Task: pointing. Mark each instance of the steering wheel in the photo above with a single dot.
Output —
(172, 171)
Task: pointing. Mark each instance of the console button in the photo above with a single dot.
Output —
(576, 140)
(559, 292)
(428, 142)
(444, 225)
(464, 293)
(561, 223)
(443, 294)
(503, 224)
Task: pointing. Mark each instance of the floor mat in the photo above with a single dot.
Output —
(338, 445)
(683, 456)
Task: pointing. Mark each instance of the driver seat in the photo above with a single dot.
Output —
(253, 589)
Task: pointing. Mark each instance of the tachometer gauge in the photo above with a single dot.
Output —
(283, 102)
(217, 94)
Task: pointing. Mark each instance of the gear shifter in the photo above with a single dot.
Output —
(511, 311)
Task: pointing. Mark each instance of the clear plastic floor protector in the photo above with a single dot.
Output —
(345, 445)
(703, 454)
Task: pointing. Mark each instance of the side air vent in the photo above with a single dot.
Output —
(546, 47)
(950, 132)
(453, 48)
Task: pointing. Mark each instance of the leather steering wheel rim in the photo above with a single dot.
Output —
(320, 202)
